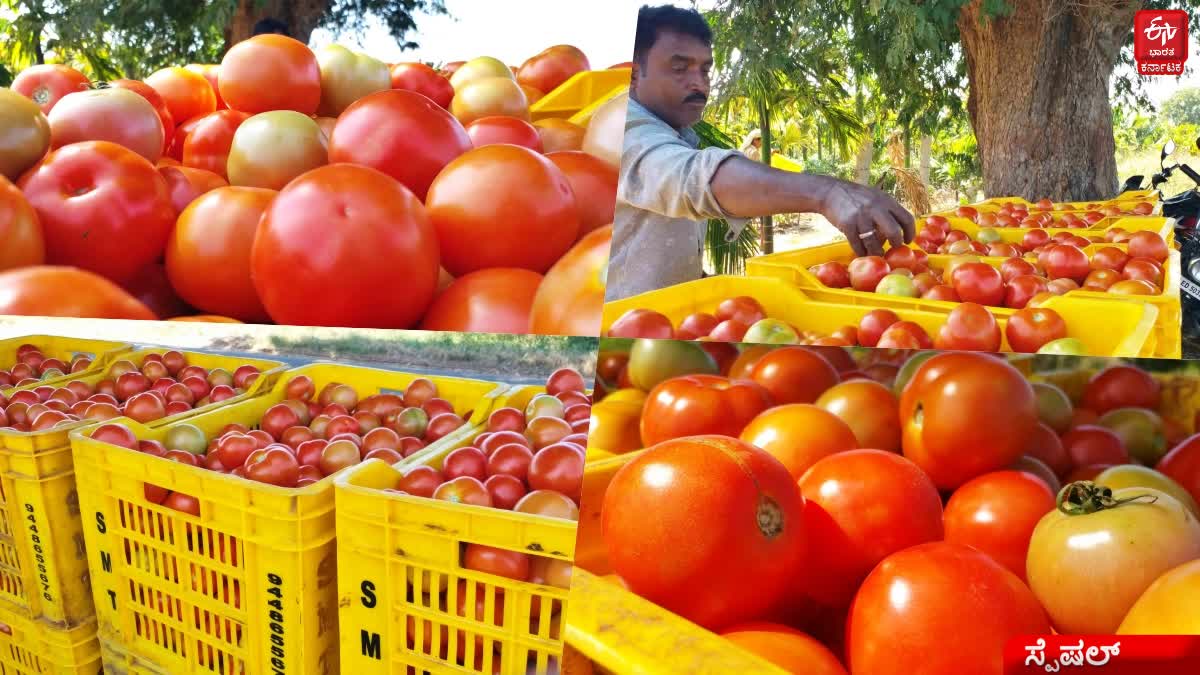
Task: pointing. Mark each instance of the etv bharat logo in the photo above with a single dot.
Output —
(1160, 41)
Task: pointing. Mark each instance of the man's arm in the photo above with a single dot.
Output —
(662, 174)
(867, 216)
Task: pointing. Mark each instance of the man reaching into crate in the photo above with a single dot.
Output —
(669, 187)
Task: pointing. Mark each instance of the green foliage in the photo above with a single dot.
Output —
(1183, 107)
(351, 16)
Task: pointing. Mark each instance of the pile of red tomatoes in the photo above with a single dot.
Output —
(864, 499)
(304, 188)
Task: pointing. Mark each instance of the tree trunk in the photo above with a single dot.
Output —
(766, 242)
(820, 146)
(301, 17)
(1039, 96)
(866, 152)
(926, 157)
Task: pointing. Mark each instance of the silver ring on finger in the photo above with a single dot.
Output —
(866, 235)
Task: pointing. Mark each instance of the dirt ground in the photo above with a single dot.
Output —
(804, 230)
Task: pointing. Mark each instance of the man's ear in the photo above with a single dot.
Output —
(634, 77)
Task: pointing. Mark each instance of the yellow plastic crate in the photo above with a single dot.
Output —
(384, 540)
(1164, 226)
(250, 585)
(785, 164)
(579, 92)
(625, 633)
(102, 353)
(43, 569)
(1127, 327)
(31, 647)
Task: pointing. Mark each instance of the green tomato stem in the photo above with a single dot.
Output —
(1085, 497)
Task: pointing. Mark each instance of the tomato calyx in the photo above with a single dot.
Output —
(1085, 497)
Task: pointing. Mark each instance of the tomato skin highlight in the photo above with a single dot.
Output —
(753, 509)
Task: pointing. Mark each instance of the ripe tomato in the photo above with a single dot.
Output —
(489, 96)
(211, 72)
(208, 255)
(1109, 258)
(863, 505)
(869, 409)
(46, 84)
(914, 600)
(1168, 605)
(569, 300)
(752, 515)
(559, 135)
(102, 208)
(1015, 267)
(1064, 261)
(342, 233)
(500, 129)
(524, 217)
(969, 327)
(175, 145)
(272, 148)
(420, 78)
(995, 513)
(19, 230)
(558, 467)
(1123, 547)
(1182, 464)
(400, 133)
(153, 289)
(866, 272)
(944, 430)
(24, 134)
(187, 94)
(1121, 386)
(979, 283)
(1032, 327)
(873, 324)
(463, 490)
(491, 560)
(1133, 287)
(551, 67)
(112, 114)
(594, 184)
(695, 405)
(799, 435)
(208, 145)
(794, 375)
(785, 647)
(160, 106)
(1146, 244)
(1022, 289)
(1144, 269)
(186, 184)
(1088, 445)
(275, 466)
(271, 72)
(346, 77)
(494, 300)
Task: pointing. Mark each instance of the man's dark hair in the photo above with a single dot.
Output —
(270, 25)
(654, 20)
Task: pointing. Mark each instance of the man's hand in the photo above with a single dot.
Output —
(867, 217)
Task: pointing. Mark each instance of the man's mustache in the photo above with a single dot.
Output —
(697, 97)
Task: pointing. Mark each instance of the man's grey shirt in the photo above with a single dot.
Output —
(664, 200)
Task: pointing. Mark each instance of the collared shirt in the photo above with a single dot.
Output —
(664, 201)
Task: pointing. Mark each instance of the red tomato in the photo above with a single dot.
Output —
(979, 283)
(904, 257)
(1121, 387)
(187, 94)
(1022, 289)
(869, 409)
(114, 115)
(867, 272)
(494, 300)
(180, 502)
(696, 325)
(594, 184)
(791, 650)
(400, 133)
(186, 184)
(642, 323)
(1032, 327)
(46, 290)
(569, 300)
(1144, 269)
(123, 223)
(1148, 244)
(558, 467)
(944, 430)
(799, 435)
(996, 513)
(271, 72)
(1065, 261)
(1089, 444)
(559, 135)
(794, 375)
(551, 67)
(333, 240)
(208, 255)
(1109, 258)
(211, 72)
(502, 206)
(914, 600)
(160, 106)
(497, 561)
(744, 309)
(19, 230)
(1182, 464)
(872, 325)
(499, 129)
(46, 84)
(153, 289)
(207, 146)
(752, 515)
(695, 405)
(969, 327)
(1048, 448)
(463, 490)
(833, 274)
(863, 505)
(275, 466)
(420, 78)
